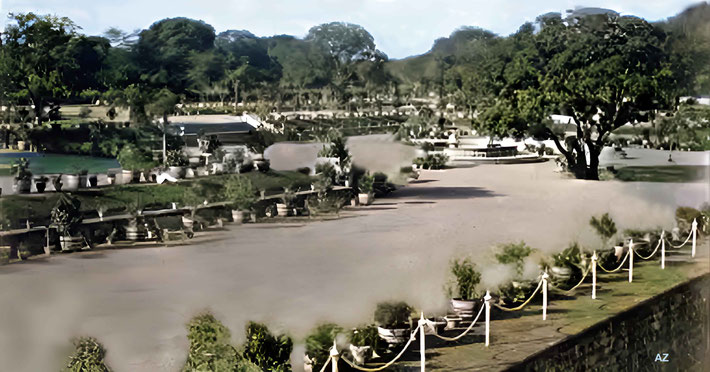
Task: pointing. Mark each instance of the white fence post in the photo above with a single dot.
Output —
(334, 356)
(695, 232)
(663, 249)
(594, 275)
(544, 295)
(487, 299)
(422, 343)
(631, 260)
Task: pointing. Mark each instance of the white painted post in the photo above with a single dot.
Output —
(487, 299)
(631, 260)
(334, 356)
(422, 346)
(544, 295)
(663, 249)
(594, 275)
(695, 231)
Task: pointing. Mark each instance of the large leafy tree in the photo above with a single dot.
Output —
(35, 58)
(165, 50)
(603, 70)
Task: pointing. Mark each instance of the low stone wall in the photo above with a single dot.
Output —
(669, 332)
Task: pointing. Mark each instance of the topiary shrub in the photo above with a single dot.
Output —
(268, 352)
(210, 348)
(88, 357)
(515, 254)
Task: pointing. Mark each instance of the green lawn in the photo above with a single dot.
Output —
(663, 173)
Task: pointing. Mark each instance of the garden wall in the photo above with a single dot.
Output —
(669, 332)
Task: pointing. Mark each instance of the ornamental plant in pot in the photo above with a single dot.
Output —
(23, 177)
(366, 188)
(364, 343)
(605, 227)
(392, 319)
(319, 342)
(518, 289)
(134, 160)
(466, 278)
(41, 183)
(568, 265)
(287, 201)
(241, 193)
(176, 161)
(66, 216)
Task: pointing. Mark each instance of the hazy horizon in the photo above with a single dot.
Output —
(396, 25)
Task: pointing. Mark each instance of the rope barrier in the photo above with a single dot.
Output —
(326, 363)
(618, 268)
(524, 303)
(652, 254)
(464, 332)
(578, 284)
(412, 337)
(684, 243)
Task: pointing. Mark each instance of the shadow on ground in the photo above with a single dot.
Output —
(445, 193)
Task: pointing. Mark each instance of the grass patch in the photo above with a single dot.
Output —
(665, 173)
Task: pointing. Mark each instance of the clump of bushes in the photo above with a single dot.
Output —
(684, 217)
(240, 191)
(267, 351)
(210, 348)
(88, 357)
(392, 314)
(432, 161)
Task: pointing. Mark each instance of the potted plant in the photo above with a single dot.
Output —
(366, 188)
(135, 228)
(517, 289)
(319, 343)
(66, 216)
(605, 227)
(134, 160)
(93, 180)
(392, 319)
(287, 200)
(241, 193)
(466, 278)
(23, 177)
(364, 343)
(565, 265)
(176, 161)
(83, 178)
(57, 183)
(41, 183)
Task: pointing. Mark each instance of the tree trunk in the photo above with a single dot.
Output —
(236, 94)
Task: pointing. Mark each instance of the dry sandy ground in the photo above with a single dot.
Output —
(137, 301)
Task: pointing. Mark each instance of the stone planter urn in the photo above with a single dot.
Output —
(71, 182)
(40, 184)
(70, 243)
(365, 199)
(21, 145)
(560, 274)
(463, 308)
(177, 172)
(23, 185)
(452, 321)
(237, 216)
(282, 209)
(393, 336)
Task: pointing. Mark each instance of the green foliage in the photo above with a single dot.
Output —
(392, 314)
(21, 169)
(467, 278)
(325, 201)
(66, 213)
(269, 352)
(337, 149)
(240, 191)
(176, 158)
(684, 217)
(604, 226)
(320, 341)
(134, 158)
(210, 348)
(514, 254)
(88, 357)
(570, 257)
(366, 183)
(365, 335)
(432, 161)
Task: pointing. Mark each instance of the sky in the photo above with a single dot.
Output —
(401, 28)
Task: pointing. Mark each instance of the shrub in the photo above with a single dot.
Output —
(684, 217)
(365, 335)
(240, 191)
(319, 342)
(175, 158)
(66, 214)
(604, 226)
(88, 356)
(133, 158)
(268, 352)
(210, 348)
(392, 314)
(432, 161)
(514, 253)
(325, 202)
(467, 278)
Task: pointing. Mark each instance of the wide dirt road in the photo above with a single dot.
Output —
(137, 301)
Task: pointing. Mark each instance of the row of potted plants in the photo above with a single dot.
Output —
(62, 182)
